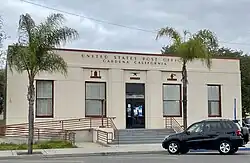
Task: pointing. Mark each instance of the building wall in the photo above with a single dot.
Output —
(116, 69)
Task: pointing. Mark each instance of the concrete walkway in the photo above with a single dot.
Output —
(92, 149)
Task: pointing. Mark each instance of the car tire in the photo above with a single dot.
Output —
(173, 147)
(225, 147)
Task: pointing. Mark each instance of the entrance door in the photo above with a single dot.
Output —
(135, 105)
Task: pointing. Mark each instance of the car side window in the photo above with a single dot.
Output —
(196, 128)
(227, 125)
(212, 126)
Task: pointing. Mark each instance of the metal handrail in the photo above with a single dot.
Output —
(39, 133)
(116, 134)
(171, 122)
(176, 125)
(65, 127)
(69, 124)
(104, 137)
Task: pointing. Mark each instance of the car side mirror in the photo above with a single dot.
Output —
(187, 132)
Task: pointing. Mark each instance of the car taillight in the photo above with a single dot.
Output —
(238, 133)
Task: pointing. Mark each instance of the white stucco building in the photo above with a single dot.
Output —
(138, 89)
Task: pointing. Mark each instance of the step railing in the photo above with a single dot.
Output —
(72, 124)
(64, 127)
(39, 133)
(104, 137)
(172, 123)
(116, 131)
(75, 124)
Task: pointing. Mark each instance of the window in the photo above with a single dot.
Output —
(214, 101)
(172, 100)
(213, 126)
(95, 99)
(196, 127)
(44, 98)
(135, 90)
(226, 125)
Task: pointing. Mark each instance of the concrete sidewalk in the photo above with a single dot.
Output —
(91, 149)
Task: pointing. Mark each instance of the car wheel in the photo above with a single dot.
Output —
(225, 147)
(173, 147)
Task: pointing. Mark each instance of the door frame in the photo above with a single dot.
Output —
(144, 104)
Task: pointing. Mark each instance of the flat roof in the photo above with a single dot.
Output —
(129, 53)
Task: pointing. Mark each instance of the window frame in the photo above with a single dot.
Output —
(180, 100)
(53, 97)
(219, 100)
(105, 99)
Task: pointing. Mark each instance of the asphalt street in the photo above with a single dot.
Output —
(242, 157)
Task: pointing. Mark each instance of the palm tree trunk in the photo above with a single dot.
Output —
(31, 99)
(185, 82)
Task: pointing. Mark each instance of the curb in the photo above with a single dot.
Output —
(31, 157)
(203, 150)
(106, 154)
(244, 149)
(37, 156)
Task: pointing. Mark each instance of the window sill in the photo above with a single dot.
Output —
(45, 116)
(172, 115)
(95, 116)
(214, 116)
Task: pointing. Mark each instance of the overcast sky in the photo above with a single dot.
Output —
(229, 19)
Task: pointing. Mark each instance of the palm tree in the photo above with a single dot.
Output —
(3, 36)
(2, 33)
(34, 53)
(189, 47)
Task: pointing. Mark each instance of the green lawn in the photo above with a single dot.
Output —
(40, 145)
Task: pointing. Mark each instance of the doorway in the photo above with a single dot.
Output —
(135, 105)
